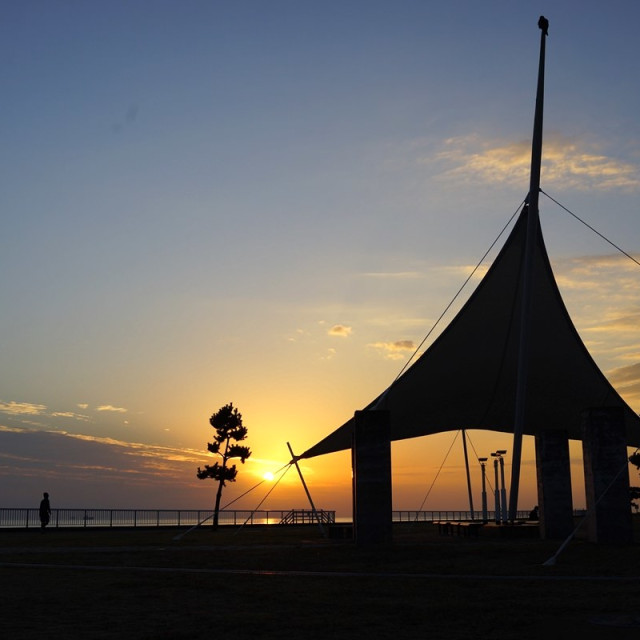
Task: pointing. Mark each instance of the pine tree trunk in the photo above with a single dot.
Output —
(220, 485)
(217, 509)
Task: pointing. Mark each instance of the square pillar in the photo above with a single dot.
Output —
(553, 470)
(371, 460)
(606, 475)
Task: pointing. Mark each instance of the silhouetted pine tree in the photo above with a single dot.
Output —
(227, 423)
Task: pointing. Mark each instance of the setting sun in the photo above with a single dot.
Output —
(268, 476)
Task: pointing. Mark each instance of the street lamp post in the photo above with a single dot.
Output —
(503, 490)
(499, 459)
(483, 465)
(496, 491)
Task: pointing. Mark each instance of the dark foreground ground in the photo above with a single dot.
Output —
(279, 582)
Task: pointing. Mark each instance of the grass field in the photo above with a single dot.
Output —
(274, 582)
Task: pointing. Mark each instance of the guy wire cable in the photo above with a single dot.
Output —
(586, 224)
(438, 473)
(286, 468)
(195, 526)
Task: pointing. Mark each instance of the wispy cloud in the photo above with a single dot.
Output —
(620, 271)
(22, 408)
(70, 414)
(618, 323)
(394, 350)
(612, 274)
(108, 407)
(571, 163)
(7, 429)
(127, 448)
(21, 411)
(34, 409)
(626, 375)
(340, 330)
(626, 380)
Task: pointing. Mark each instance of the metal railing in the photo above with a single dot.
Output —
(458, 516)
(15, 518)
(453, 516)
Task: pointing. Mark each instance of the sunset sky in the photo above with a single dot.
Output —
(270, 203)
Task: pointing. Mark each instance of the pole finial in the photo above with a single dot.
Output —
(543, 23)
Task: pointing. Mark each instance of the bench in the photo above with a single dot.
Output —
(460, 528)
(469, 529)
(445, 528)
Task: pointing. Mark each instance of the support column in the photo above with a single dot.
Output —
(606, 476)
(371, 460)
(553, 470)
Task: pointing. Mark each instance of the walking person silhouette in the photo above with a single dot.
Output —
(45, 511)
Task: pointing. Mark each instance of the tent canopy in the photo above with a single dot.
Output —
(467, 377)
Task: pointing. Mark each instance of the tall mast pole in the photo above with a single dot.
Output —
(527, 278)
